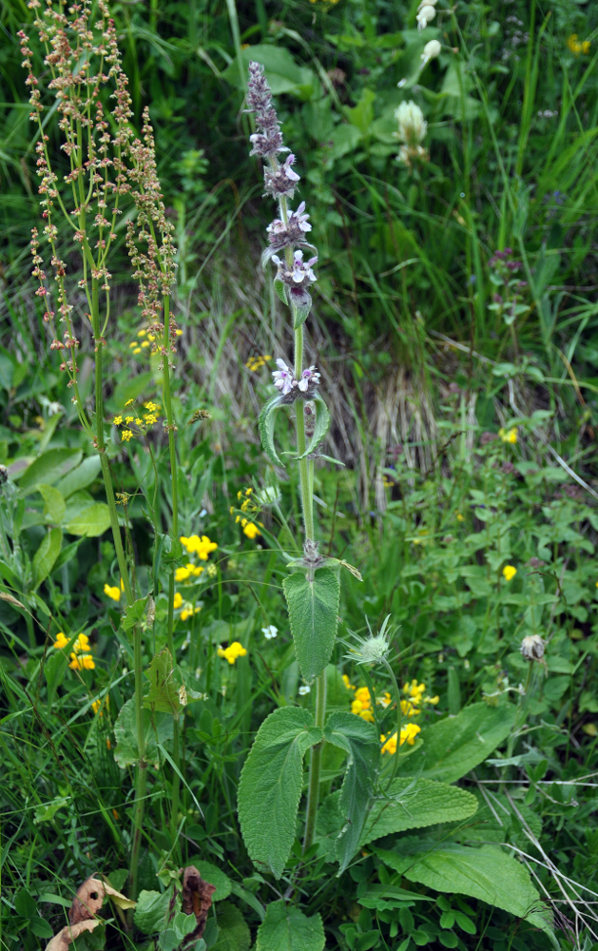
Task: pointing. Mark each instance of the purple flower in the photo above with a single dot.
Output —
(283, 378)
(287, 384)
(308, 377)
(281, 180)
(281, 235)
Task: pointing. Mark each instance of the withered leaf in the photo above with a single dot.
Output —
(90, 898)
(62, 940)
(197, 900)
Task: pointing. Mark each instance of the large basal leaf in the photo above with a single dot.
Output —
(360, 741)
(271, 783)
(488, 873)
(286, 928)
(413, 803)
(266, 421)
(454, 745)
(313, 613)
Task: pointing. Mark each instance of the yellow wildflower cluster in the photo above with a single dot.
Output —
(578, 46)
(411, 706)
(142, 418)
(81, 659)
(146, 341)
(248, 505)
(231, 652)
(202, 547)
(408, 735)
(509, 572)
(256, 363)
(508, 435)
(113, 592)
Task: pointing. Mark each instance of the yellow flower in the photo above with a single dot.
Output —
(202, 547)
(112, 592)
(130, 402)
(126, 434)
(98, 706)
(188, 612)
(181, 574)
(577, 47)
(82, 662)
(117, 420)
(178, 600)
(61, 641)
(129, 420)
(408, 735)
(509, 572)
(351, 686)
(231, 652)
(508, 435)
(251, 530)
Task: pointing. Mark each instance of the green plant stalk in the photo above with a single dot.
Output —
(307, 506)
(141, 775)
(174, 530)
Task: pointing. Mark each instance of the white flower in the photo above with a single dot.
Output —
(430, 51)
(303, 689)
(270, 632)
(412, 125)
(425, 15)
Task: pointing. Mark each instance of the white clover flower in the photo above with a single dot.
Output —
(304, 689)
(425, 15)
(269, 495)
(270, 632)
(412, 125)
(430, 51)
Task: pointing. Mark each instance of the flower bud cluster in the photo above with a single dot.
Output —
(287, 232)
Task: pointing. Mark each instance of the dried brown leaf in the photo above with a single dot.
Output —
(62, 940)
(197, 900)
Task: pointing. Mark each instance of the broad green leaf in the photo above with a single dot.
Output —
(151, 911)
(46, 555)
(164, 692)
(360, 741)
(48, 467)
(282, 72)
(488, 873)
(54, 504)
(286, 928)
(215, 876)
(270, 785)
(454, 745)
(321, 427)
(134, 613)
(313, 616)
(301, 311)
(266, 428)
(91, 521)
(415, 803)
(233, 931)
(79, 478)
(157, 728)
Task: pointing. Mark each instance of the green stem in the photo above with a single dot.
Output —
(315, 765)
(171, 429)
(140, 782)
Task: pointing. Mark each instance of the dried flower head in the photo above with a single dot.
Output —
(532, 647)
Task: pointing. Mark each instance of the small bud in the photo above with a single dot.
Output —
(430, 51)
(532, 647)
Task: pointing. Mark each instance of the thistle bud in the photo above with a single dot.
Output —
(532, 647)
